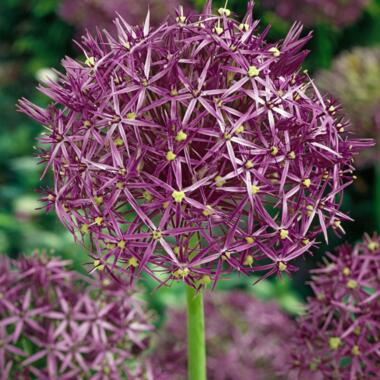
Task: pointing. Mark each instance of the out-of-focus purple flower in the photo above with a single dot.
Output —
(92, 14)
(195, 149)
(311, 12)
(354, 80)
(339, 338)
(55, 324)
(246, 339)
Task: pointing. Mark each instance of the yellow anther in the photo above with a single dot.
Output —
(106, 282)
(253, 71)
(273, 151)
(90, 61)
(334, 342)
(170, 156)
(244, 27)
(239, 130)
(337, 223)
(292, 155)
(228, 136)
(352, 284)
(181, 136)
(309, 209)
(84, 229)
(98, 200)
(357, 330)
(166, 204)
(87, 123)
(332, 109)
(355, 350)
(282, 266)
(255, 189)
(99, 220)
(147, 196)
(248, 261)
(305, 241)
(208, 211)
(127, 45)
(156, 235)
(97, 265)
(306, 182)
(218, 30)
(373, 246)
(178, 196)
(181, 19)
(205, 280)
(119, 141)
(321, 296)
(249, 164)
(133, 262)
(120, 185)
(226, 255)
(110, 246)
(284, 234)
(275, 51)
(121, 244)
(174, 92)
(176, 250)
(224, 12)
(131, 116)
(181, 273)
(249, 239)
(219, 181)
(346, 271)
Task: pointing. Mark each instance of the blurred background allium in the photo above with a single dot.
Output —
(92, 14)
(310, 12)
(339, 338)
(354, 80)
(57, 324)
(246, 339)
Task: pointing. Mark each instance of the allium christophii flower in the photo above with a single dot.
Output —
(92, 14)
(354, 80)
(196, 148)
(55, 324)
(246, 339)
(339, 338)
(311, 12)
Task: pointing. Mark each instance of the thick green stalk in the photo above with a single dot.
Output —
(377, 196)
(196, 354)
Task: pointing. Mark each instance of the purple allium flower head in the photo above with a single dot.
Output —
(92, 14)
(55, 324)
(246, 339)
(310, 12)
(354, 80)
(196, 148)
(339, 337)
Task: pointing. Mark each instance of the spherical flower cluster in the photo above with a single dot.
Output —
(56, 325)
(354, 80)
(196, 148)
(244, 336)
(310, 12)
(92, 14)
(339, 338)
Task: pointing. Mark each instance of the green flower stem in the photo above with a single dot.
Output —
(377, 196)
(196, 355)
